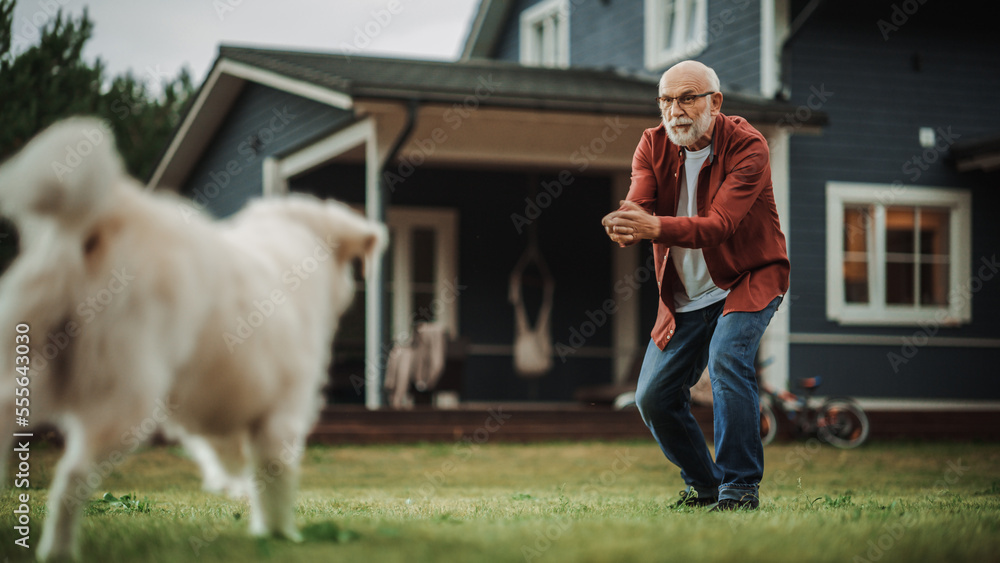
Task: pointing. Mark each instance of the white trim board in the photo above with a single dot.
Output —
(221, 88)
(290, 85)
(626, 338)
(774, 343)
(329, 147)
(209, 88)
(883, 404)
(889, 340)
(603, 352)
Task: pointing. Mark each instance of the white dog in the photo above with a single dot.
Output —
(140, 312)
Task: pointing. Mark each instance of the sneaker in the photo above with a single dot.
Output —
(689, 497)
(728, 504)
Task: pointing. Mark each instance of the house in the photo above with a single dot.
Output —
(527, 142)
(886, 208)
(897, 291)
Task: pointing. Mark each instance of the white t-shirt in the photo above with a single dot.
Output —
(699, 289)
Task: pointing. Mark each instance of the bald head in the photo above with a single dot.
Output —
(697, 74)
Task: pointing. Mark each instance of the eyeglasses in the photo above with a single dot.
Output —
(685, 101)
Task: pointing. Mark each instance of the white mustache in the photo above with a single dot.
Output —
(680, 121)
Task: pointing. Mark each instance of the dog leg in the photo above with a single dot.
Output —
(223, 463)
(232, 458)
(91, 454)
(277, 454)
(213, 476)
(6, 437)
(64, 506)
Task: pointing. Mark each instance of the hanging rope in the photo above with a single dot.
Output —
(532, 345)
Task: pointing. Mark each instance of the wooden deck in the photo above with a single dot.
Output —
(529, 422)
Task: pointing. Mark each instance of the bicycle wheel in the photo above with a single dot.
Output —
(768, 423)
(842, 423)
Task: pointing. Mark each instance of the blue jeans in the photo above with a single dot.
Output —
(728, 346)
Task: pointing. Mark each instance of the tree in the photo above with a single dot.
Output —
(50, 81)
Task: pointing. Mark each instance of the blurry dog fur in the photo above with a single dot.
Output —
(143, 312)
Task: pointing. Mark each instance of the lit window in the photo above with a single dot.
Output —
(897, 254)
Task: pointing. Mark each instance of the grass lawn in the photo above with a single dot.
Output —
(591, 501)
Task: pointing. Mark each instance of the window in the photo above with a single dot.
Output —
(421, 278)
(422, 275)
(896, 254)
(545, 34)
(675, 30)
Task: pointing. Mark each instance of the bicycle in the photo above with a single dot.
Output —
(838, 421)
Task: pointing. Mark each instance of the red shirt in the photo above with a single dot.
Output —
(737, 224)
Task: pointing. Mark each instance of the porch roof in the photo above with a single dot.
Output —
(490, 82)
(344, 80)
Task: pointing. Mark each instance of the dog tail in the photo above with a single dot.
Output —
(67, 172)
(348, 233)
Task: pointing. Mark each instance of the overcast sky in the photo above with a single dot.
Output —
(156, 38)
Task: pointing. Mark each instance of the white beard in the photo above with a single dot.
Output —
(698, 127)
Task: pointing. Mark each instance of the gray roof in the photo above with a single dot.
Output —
(474, 83)
(513, 85)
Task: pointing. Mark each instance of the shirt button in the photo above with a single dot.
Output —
(671, 331)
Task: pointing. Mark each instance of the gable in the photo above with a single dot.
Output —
(263, 122)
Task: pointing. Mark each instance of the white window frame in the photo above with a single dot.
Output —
(658, 53)
(876, 311)
(444, 222)
(552, 49)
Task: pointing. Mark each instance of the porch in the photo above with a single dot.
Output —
(480, 423)
(463, 161)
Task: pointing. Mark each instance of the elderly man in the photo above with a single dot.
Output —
(701, 191)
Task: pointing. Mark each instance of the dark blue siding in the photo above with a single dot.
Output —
(229, 173)
(734, 44)
(575, 248)
(879, 92)
(929, 373)
(509, 46)
(607, 35)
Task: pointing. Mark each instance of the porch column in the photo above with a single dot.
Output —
(774, 346)
(375, 210)
(625, 338)
(274, 182)
(276, 174)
